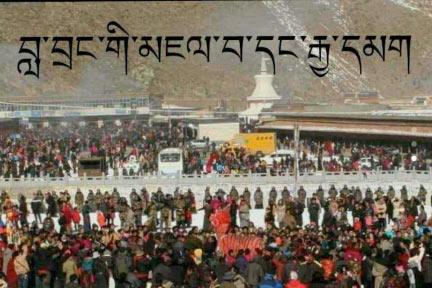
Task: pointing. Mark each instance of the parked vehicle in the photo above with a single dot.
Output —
(257, 142)
(170, 161)
(199, 143)
(277, 156)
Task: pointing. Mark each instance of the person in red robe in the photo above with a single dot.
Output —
(11, 275)
(76, 217)
(67, 212)
(101, 219)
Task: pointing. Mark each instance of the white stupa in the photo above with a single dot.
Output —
(263, 96)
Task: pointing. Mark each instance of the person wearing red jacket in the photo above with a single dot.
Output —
(67, 213)
(294, 282)
(328, 266)
(353, 254)
(279, 263)
(230, 259)
(11, 275)
(76, 217)
(358, 225)
(188, 217)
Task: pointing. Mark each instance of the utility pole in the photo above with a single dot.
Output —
(296, 154)
(169, 121)
(150, 122)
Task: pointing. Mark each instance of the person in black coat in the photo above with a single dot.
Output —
(220, 269)
(179, 250)
(390, 208)
(290, 265)
(367, 277)
(44, 264)
(149, 245)
(309, 270)
(298, 210)
(141, 267)
(427, 268)
(162, 272)
(86, 217)
(100, 272)
(51, 210)
(413, 204)
(192, 278)
(23, 210)
(314, 209)
(233, 214)
(208, 210)
(58, 277)
(36, 206)
(178, 274)
(210, 247)
(269, 267)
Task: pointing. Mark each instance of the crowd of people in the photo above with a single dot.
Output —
(335, 156)
(54, 151)
(387, 244)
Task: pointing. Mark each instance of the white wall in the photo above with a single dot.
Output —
(219, 131)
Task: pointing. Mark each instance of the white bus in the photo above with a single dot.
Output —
(170, 161)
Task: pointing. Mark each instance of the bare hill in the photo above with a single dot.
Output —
(196, 82)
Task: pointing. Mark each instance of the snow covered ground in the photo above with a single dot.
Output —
(257, 216)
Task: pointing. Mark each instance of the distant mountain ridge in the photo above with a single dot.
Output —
(198, 83)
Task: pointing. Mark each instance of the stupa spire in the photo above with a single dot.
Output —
(263, 64)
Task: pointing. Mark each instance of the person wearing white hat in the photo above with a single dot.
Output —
(294, 282)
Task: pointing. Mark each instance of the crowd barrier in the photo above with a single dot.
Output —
(415, 176)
